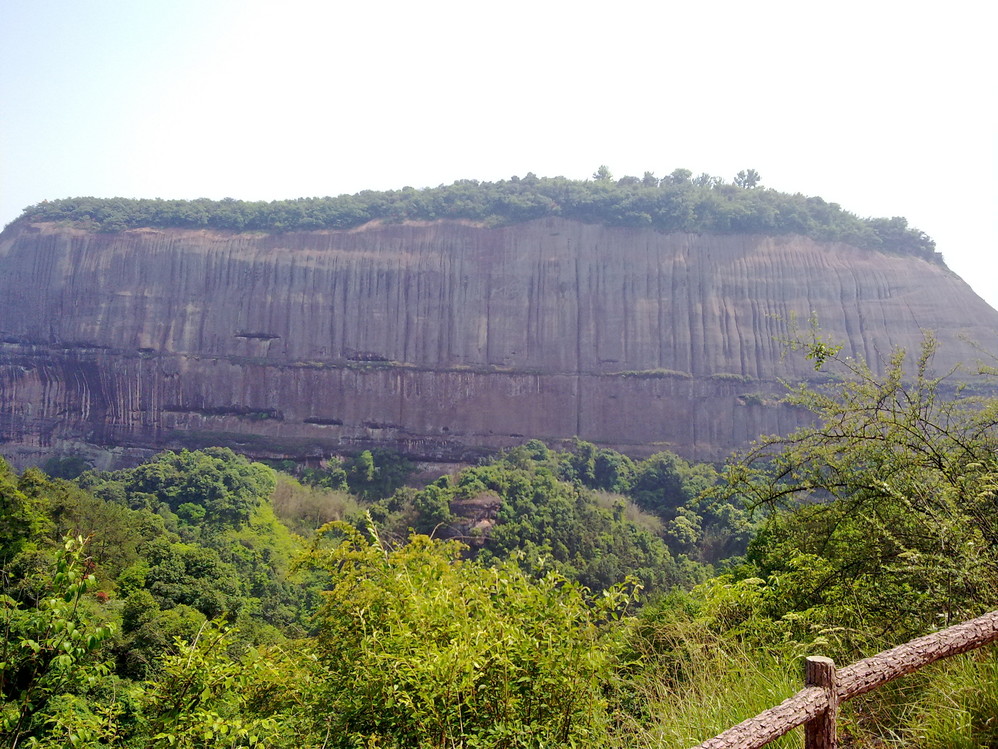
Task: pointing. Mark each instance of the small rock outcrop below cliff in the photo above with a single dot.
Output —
(442, 340)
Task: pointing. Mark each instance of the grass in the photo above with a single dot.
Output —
(730, 687)
(692, 684)
(305, 508)
(959, 705)
(705, 685)
(634, 514)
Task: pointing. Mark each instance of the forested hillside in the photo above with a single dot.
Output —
(541, 598)
(676, 203)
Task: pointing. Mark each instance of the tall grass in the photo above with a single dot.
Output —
(305, 508)
(706, 685)
(699, 685)
(959, 705)
(721, 697)
(634, 514)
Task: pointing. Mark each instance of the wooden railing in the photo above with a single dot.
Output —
(816, 706)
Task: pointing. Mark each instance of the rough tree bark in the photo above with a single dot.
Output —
(881, 668)
(773, 723)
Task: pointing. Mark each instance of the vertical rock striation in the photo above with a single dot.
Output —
(440, 339)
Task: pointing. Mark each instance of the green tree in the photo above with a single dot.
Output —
(603, 174)
(192, 575)
(665, 482)
(203, 697)
(22, 516)
(422, 648)
(377, 474)
(227, 485)
(116, 532)
(680, 176)
(45, 648)
(549, 523)
(598, 468)
(881, 518)
(747, 179)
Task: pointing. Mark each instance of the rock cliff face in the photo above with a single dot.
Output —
(442, 340)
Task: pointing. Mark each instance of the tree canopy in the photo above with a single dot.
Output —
(676, 203)
(884, 512)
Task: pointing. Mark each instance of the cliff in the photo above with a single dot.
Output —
(440, 339)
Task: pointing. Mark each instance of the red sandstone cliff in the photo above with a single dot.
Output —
(440, 339)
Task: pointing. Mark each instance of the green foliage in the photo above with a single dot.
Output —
(116, 532)
(696, 523)
(420, 648)
(680, 176)
(228, 486)
(234, 558)
(191, 513)
(747, 179)
(22, 516)
(650, 519)
(370, 475)
(704, 204)
(665, 482)
(817, 348)
(376, 474)
(45, 647)
(620, 506)
(68, 467)
(603, 174)
(261, 552)
(546, 522)
(693, 678)
(202, 697)
(669, 488)
(332, 477)
(553, 522)
(305, 508)
(192, 575)
(597, 468)
(55, 661)
(882, 517)
(149, 633)
(876, 525)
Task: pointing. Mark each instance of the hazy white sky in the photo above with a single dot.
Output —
(887, 108)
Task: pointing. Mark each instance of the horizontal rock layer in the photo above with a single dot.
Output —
(443, 340)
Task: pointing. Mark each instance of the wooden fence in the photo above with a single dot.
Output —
(816, 706)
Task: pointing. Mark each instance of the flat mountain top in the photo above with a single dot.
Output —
(677, 203)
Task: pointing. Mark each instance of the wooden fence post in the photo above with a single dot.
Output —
(819, 733)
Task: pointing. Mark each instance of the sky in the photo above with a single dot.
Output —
(887, 108)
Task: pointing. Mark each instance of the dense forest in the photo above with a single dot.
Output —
(679, 202)
(541, 598)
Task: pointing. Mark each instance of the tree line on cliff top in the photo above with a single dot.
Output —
(611, 603)
(679, 202)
